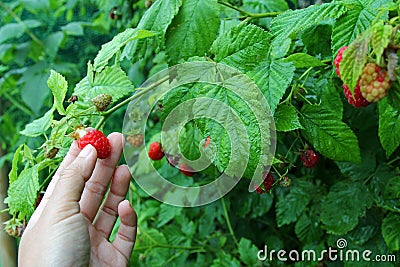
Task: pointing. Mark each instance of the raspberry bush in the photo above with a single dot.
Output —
(329, 73)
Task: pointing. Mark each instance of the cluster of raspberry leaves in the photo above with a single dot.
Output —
(372, 85)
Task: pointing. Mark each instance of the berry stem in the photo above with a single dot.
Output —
(5, 210)
(228, 221)
(291, 146)
(139, 92)
(248, 14)
(166, 246)
(393, 161)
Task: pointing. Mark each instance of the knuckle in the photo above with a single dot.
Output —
(96, 187)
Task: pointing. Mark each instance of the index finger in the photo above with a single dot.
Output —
(71, 155)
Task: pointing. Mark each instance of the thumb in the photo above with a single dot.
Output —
(72, 178)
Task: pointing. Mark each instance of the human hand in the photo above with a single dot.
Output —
(69, 228)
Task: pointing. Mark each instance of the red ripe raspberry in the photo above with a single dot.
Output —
(374, 82)
(186, 170)
(155, 151)
(96, 138)
(338, 59)
(258, 189)
(268, 181)
(309, 158)
(358, 100)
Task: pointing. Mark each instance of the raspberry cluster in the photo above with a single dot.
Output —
(371, 86)
(155, 151)
(374, 82)
(358, 100)
(268, 182)
(95, 138)
(309, 158)
(338, 59)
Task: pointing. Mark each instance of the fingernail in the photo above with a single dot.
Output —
(86, 151)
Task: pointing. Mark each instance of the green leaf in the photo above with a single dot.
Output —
(74, 28)
(39, 126)
(247, 250)
(286, 118)
(291, 22)
(167, 213)
(273, 78)
(291, 206)
(354, 59)
(381, 36)
(391, 231)
(327, 94)
(243, 47)
(193, 30)
(52, 43)
(59, 87)
(317, 41)
(232, 148)
(150, 237)
(189, 141)
(109, 49)
(328, 134)
(359, 171)
(156, 19)
(302, 60)
(11, 30)
(225, 260)
(392, 189)
(22, 193)
(308, 228)
(255, 7)
(35, 90)
(393, 96)
(389, 126)
(356, 20)
(13, 175)
(239, 118)
(344, 204)
(380, 189)
(112, 81)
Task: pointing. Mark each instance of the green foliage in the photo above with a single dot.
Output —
(354, 59)
(59, 87)
(286, 118)
(39, 126)
(242, 47)
(22, 193)
(389, 127)
(273, 78)
(291, 206)
(356, 20)
(111, 80)
(109, 49)
(325, 130)
(292, 22)
(344, 219)
(288, 54)
(156, 19)
(390, 230)
(189, 35)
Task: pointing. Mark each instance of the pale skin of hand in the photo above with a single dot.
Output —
(71, 226)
